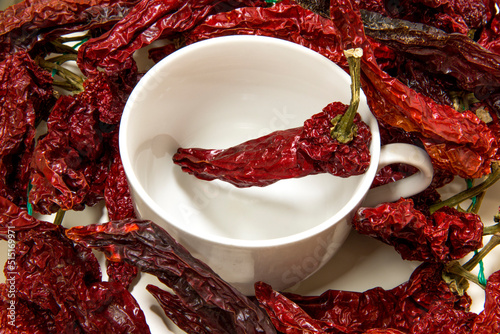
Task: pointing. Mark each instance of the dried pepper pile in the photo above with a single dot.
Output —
(431, 74)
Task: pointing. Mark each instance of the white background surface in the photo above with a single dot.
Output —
(361, 264)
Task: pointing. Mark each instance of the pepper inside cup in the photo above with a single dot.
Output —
(219, 93)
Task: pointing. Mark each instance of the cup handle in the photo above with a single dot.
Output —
(409, 186)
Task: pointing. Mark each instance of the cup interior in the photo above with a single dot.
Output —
(219, 93)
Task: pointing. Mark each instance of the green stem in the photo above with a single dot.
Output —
(65, 85)
(469, 193)
(474, 261)
(343, 128)
(61, 48)
(63, 58)
(76, 38)
(489, 230)
(456, 269)
(75, 80)
(59, 217)
(474, 207)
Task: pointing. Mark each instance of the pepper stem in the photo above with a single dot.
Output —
(458, 277)
(59, 217)
(73, 79)
(494, 241)
(343, 128)
(471, 192)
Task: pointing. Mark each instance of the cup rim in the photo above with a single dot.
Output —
(137, 188)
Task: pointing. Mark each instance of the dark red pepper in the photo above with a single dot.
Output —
(284, 154)
(59, 289)
(488, 321)
(119, 205)
(444, 320)
(453, 16)
(27, 95)
(457, 142)
(334, 311)
(148, 21)
(285, 20)
(69, 162)
(30, 23)
(14, 218)
(459, 61)
(197, 288)
(490, 35)
(383, 331)
(446, 235)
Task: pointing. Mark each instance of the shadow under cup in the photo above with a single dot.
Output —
(220, 94)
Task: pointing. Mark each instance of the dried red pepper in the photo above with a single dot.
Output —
(334, 311)
(416, 76)
(383, 331)
(459, 143)
(27, 95)
(285, 20)
(283, 154)
(444, 320)
(117, 195)
(198, 289)
(446, 235)
(27, 319)
(489, 36)
(58, 286)
(28, 23)
(148, 21)
(456, 142)
(119, 205)
(71, 161)
(488, 321)
(14, 218)
(473, 68)
(458, 16)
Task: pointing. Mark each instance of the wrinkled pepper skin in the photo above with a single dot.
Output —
(28, 24)
(148, 21)
(58, 284)
(488, 321)
(198, 289)
(402, 308)
(283, 154)
(446, 235)
(27, 96)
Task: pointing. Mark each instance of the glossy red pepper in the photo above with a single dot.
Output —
(399, 309)
(148, 21)
(30, 23)
(58, 284)
(488, 321)
(27, 95)
(446, 235)
(198, 289)
(283, 154)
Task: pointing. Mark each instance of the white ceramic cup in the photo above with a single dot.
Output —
(223, 91)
